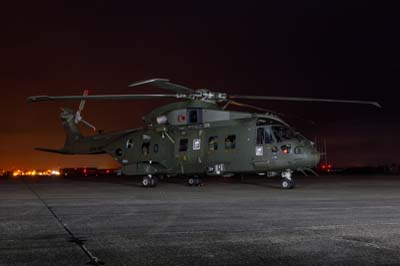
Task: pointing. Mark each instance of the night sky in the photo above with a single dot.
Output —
(309, 49)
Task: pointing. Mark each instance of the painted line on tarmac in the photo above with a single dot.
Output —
(80, 242)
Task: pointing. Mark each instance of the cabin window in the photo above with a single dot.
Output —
(145, 148)
(213, 143)
(129, 144)
(155, 148)
(183, 144)
(230, 142)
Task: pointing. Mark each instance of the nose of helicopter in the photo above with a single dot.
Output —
(310, 156)
(314, 157)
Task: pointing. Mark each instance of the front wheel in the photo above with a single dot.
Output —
(149, 181)
(287, 183)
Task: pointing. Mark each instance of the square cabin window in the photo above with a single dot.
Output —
(183, 145)
(145, 148)
(213, 143)
(230, 142)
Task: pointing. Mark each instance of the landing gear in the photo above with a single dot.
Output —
(287, 180)
(194, 181)
(149, 181)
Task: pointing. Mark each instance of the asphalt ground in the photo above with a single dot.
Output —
(328, 220)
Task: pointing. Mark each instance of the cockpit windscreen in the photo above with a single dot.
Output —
(282, 133)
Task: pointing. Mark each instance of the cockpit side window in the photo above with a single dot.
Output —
(260, 135)
(268, 136)
(282, 133)
(264, 135)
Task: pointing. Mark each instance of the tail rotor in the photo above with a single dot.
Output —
(78, 117)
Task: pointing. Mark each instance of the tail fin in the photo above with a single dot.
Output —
(71, 129)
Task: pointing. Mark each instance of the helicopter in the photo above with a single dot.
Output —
(196, 136)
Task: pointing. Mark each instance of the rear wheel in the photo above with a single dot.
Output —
(293, 183)
(153, 182)
(146, 182)
(194, 181)
(285, 184)
(191, 181)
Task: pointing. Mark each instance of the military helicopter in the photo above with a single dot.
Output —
(196, 137)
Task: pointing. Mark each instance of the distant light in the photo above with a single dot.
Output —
(55, 172)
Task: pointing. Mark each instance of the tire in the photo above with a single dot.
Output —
(146, 182)
(286, 184)
(191, 181)
(153, 182)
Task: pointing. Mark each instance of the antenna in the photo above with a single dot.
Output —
(326, 152)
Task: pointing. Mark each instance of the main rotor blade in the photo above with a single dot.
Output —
(266, 111)
(276, 98)
(249, 106)
(82, 104)
(163, 84)
(44, 98)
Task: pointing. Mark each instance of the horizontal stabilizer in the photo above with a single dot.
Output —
(52, 150)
